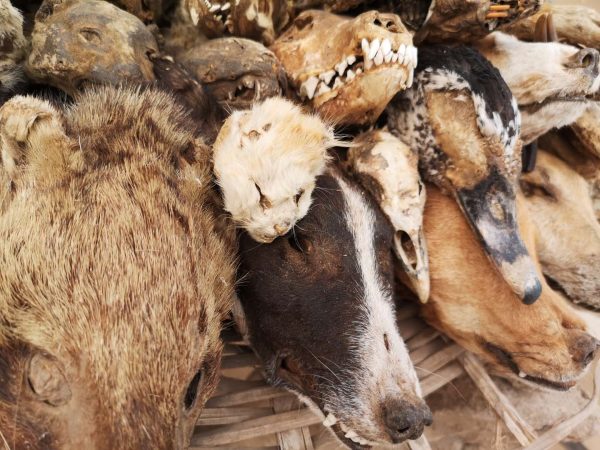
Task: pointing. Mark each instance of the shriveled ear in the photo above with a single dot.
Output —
(47, 380)
(32, 139)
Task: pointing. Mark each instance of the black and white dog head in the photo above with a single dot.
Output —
(463, 120)
(319, 313)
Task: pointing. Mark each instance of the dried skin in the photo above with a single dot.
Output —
(238, 72)
(79, 42)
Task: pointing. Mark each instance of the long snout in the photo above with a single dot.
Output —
(490, 208)
(405, 419)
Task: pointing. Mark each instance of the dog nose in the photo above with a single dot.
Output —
(586, 58)
(281, 229)
(585, 349)
(405, 420)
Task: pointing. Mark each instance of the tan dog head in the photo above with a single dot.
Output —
(114, 280)
(544, 343)
(568, 234)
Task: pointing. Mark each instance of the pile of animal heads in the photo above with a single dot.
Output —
(476, 157)
(109, 333)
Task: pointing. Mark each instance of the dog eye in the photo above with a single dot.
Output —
(532, 189)
(192, 391)
(299, 196)
(264, 201)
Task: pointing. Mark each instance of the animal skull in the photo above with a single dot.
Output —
(260, 20)
(465, 21)
(552, 82)
(476, 155)
(347, 69)
(238, 72)
(388, 169)
(266, 161)
(75, 42)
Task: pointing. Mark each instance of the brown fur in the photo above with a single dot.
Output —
(112, 268)
(567, 232)
(472, 303)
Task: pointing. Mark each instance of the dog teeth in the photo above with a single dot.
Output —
(351, 60)
(378, 60)
(365, 47)
(226, 6)
(394, 57)
(323, 89)
(341, 67)
(401, 53)
(388, 58)
(374, 49)
(307, 89)
(411, 75)
(522, 374)
(214, 8)
(330, 420)
(337, 83)
(327, 76)
(350, 75)
(386, 47)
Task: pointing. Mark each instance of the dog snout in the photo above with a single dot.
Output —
(404, 419)
(586, 58)
(585, 349)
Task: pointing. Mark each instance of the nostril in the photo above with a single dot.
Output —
(587, 58)
(405, 420)
(585, 350)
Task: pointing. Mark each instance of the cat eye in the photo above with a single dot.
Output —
(264, 201)
(299, 196)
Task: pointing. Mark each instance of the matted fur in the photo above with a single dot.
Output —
(266, 161)
(112, 266)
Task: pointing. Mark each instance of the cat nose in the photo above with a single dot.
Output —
(281, 229)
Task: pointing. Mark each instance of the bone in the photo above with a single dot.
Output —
(341, 67)
(327, 76)
(351, 60)
(378, 60)
(386, 47)
(308, 87)
(374, 48)
(365, 47)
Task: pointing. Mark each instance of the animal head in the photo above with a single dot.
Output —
(347, 69)
(261, 20)
(544, 343)
(76, 42)
(319, 312)
(12, 48)
(238, 72)
(568, 235)
(462, 118)
(266, 161)
(552, 82)
(109, 335)
(388, 169)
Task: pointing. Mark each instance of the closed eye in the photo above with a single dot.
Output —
(264, 201)
(299, 196)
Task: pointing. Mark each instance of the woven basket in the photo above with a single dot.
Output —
(246, 413)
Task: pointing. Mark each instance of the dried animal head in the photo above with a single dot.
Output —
(552, 82)
(544, 343)
(238, 72)
(12, 48)
(110, 333)
(568, 233)
(465, 123)
(75, 42)
(388, 169)
(466, 21)
(320, 314)
(261, 20)
(347, 69)
(266, 161)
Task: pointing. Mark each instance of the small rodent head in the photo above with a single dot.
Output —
(266, 160)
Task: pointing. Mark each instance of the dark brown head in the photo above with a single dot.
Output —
(320, 314)
(114, 279)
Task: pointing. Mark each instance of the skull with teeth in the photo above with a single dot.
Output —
(387, 168)
(76, 42)
(347, 69)
(475, 155)
(464, 21)
(238, 72)
(260, 20)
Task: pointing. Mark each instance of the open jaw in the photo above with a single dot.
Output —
(507, 361)
(370, 57)
(221, 12)
(503, 12)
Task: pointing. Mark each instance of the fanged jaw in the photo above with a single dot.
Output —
(346, 435)
(221, 12)
(375, 54)
(505, 11)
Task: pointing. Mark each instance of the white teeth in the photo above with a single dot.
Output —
(215, 8)
(522, 374)
(323, 88)
(374, 49)
(226, 6)
(341, 67)
(330, 420)
(350, 75)
(411, 74)
(327, 76)
(401, 53)
(358, 71)
(394, 57)
(387, 58)
(195, 16)
(308, 87)
(337, 83)
(378, 60)
(365, 47)
(386, 47)
(368, 64)
(219, 17)
(351, 60)
(415, 56)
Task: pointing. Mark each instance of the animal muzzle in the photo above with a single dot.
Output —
(491, 211)
(405, 419)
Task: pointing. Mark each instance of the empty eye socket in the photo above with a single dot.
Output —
(532, 189)
(298, 196)
(192, 390)
(91, 35)
(264, 201)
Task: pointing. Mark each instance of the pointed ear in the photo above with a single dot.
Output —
(32, 139)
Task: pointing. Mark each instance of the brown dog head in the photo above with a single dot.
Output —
(544, 343)
(114, 279)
